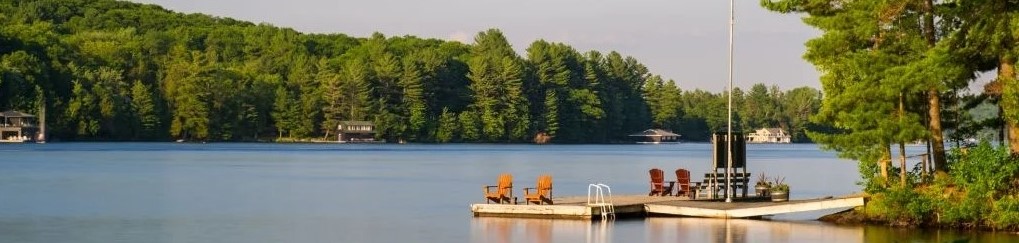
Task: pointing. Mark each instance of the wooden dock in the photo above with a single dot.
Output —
(651, 206)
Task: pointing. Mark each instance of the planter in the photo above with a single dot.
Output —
(779, 196)
(762, 191)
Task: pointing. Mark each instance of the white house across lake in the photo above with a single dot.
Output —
(769, 135)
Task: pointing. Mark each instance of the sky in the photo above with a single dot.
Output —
(681, 40)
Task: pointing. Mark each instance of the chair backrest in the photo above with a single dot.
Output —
(657, 177)
(505, 183)
(544, 185)
(683, 176)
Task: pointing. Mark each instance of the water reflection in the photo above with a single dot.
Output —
(491, 229)
(495, 229)
(660, 230)
(740, 230)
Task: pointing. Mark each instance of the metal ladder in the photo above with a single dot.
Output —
(608, 210)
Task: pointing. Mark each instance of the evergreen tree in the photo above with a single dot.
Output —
(448, 126)
(144, 105)
(284, 112)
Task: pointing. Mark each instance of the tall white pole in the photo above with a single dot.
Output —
(728, 135)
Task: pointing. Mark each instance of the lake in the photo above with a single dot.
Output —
(250, 192)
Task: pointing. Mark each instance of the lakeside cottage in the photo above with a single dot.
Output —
(355, 132)
(769, 135)
(656, 136)
(16, 126)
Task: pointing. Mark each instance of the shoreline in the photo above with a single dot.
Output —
(854, 217)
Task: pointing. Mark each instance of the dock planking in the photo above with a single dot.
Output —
(651, 206)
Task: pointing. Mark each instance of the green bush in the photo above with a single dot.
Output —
(872, 183)
(985, 175)
(1006, 213)
(966, 211)
(983, 171)
(902, 204)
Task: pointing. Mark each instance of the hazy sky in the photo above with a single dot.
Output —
(683, 40)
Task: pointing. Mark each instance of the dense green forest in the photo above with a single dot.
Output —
(112, 70)
(893, 73)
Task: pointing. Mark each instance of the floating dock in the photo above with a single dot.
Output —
(651, 206)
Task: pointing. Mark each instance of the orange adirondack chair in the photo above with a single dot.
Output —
(542, 192)
(658, 183)
(503, 192)
(683, 180)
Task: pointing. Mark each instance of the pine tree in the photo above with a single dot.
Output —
(144, 106)
(413, 102)
(551, 113)
(283, 112)
(448, 124)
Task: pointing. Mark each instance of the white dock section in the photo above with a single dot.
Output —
(749, 209)
(629, 206)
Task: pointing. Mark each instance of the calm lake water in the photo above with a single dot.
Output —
(226, 192)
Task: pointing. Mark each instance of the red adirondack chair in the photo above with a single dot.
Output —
(658, 187)
(683, 181)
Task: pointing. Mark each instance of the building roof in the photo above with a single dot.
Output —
(356, 123)
(13, 113)
(769, 130)
(655, 133)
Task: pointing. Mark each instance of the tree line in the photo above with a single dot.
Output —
(893, 73)
(112, 70)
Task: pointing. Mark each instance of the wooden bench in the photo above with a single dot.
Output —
(740, 182)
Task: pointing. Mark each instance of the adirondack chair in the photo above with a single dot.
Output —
(542, 191)
(683, 181)
(658, 187)
(502, 193)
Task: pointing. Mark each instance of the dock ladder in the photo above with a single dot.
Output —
(608, 210)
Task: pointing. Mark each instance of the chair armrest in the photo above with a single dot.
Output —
(527, 190)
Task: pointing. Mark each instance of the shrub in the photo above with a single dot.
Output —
(983, 170)
(902, 204)
(1006, 213)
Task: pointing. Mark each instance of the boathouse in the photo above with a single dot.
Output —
(769, 135)
(655, 136)
(355, 131)
(16, 126)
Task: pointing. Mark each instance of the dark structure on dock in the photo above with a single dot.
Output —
(716, 180)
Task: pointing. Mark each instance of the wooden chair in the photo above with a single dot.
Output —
(503, 192)
(683, 181)
(658, 187)
(542, 191)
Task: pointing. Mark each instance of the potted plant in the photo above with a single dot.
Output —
(763, 186)
(779, 190)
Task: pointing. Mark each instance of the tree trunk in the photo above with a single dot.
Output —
(1009, 100)
(886, 160)
(902, 164)
(937, 135)
(1013, 137)
(902, 144)
(937, 141)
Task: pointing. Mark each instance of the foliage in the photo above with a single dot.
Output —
(979, 191)
(112, 70)
(762, 180)
(985, 171)
(1005, 213)
(778, 185)
(901, 204)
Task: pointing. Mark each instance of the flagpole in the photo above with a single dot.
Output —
(728, 135)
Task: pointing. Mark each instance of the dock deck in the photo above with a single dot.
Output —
(638, 205)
